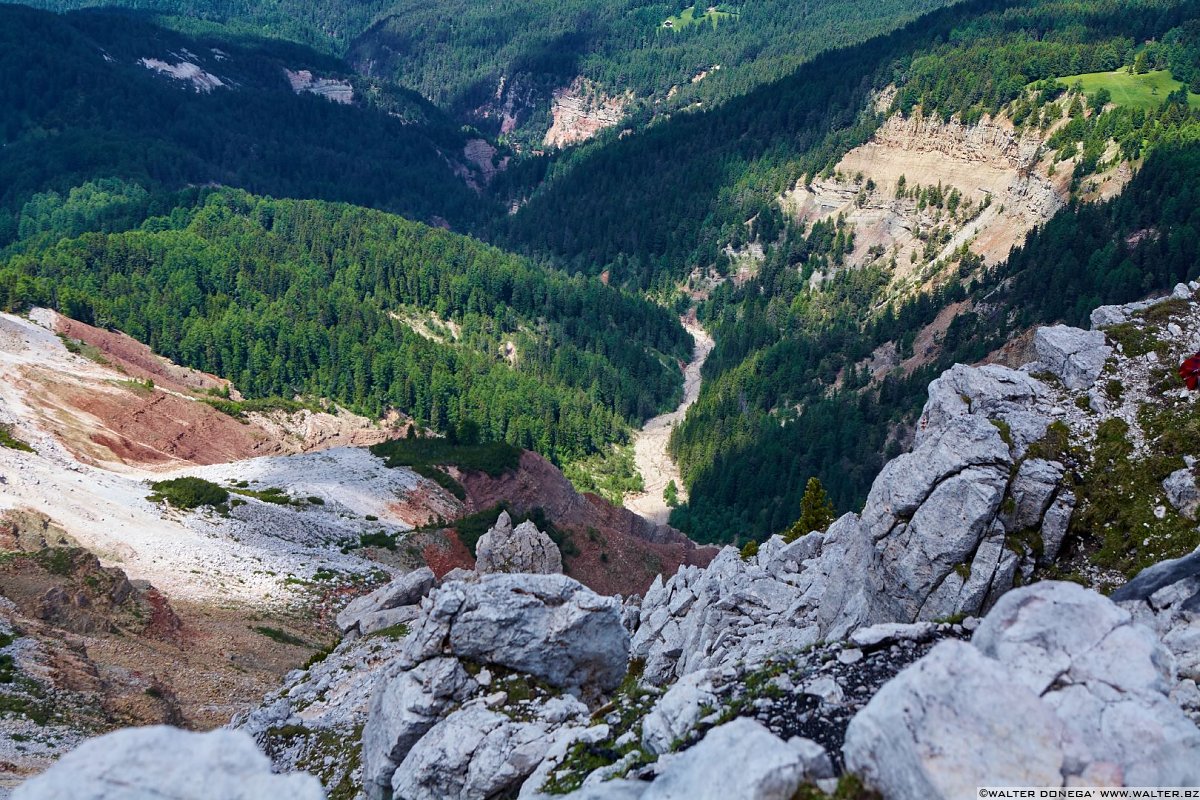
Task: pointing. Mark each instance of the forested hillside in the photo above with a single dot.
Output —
(789, 392)
(468, 55)
(79, 102)
(367, 309)
(711, 172)
(327, 25)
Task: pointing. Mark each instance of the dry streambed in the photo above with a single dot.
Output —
(650, 454)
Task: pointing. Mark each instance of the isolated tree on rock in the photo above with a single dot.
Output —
(816, 511)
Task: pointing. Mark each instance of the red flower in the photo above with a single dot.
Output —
(1189, 370)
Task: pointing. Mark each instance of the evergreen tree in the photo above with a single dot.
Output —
(816, 511)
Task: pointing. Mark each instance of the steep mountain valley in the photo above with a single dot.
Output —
(516, 399)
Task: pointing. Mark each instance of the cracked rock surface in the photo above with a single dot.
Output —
(521, 549)
(1059, 687)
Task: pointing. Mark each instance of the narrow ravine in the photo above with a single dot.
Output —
(650, 443)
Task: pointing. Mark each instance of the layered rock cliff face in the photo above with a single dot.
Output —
(580, 111)
(1007, 183)
(918, 649)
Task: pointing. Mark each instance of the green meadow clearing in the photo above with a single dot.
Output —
(688, 17)
(1147, 90)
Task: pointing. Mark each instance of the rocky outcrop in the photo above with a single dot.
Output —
(676, 713)
(1166, 598)
(404, 709)
(169, 763)
(938, 537)
(333, 89)
(477, 752)
(523, 549)
(1074, 355)
(1107, 316)
(986, 142)
(548, 626)
(580, 111)
(393, 604)
(1000, 175)
(618, 552)
(1058, 687)
(545, 626)
(185, 71)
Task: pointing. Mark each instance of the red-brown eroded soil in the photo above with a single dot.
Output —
(106, 414)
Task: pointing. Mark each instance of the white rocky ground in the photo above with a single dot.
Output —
(650, 455)
(245, 557)
(201, 555)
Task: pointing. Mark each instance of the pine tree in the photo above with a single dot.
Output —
(816, 511)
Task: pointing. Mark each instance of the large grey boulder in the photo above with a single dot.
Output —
(476, 752)
(952, 722)
(1166, 597)
(403, 710)
(1058, 687)
(741, 759)
(1107, 678)
(1076, 356)
(388, 605)
(164, 763)
(523, 549)
(548, 626)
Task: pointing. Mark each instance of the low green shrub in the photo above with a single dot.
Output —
(188, 492)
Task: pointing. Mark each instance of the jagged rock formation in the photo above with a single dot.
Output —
(477, 752)
(337, 91)
(930, 542)
(619, 552)
(545, 626)
(523, 549)
(1000, 175)
(203, 82)
(167, 763)
(1058, 687)
(1166, 598)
